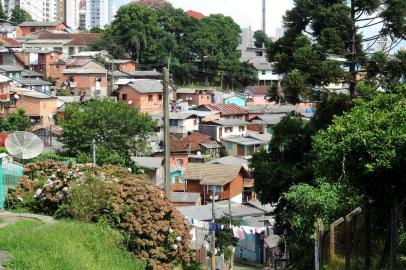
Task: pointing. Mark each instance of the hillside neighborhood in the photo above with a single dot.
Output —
(194, 143)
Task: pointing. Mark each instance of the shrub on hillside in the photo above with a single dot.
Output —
(154, 231)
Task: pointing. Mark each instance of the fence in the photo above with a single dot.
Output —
(346, 244)
(10, 174)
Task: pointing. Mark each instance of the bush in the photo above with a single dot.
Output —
(153, 230)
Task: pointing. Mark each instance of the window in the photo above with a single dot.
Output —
(217, 189)
(173, 122)
(194, 122)
(241, 128)
(149, 97)
(160, 97)
(259, 53)
(179, 162)
(33, 29)
(124, 97)
(208, 97)
(228, 129)
(229, 146)
(71, 79)
(263, 72)
(98, 79)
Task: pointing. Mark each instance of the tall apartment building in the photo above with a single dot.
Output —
(99, 13)
(72, 9)
(34, 7)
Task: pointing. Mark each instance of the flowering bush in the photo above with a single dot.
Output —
(154, 231)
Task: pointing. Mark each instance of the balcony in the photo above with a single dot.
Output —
(220, 196)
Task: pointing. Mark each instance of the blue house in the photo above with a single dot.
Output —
(236, 99)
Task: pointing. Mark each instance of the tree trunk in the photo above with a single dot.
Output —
(367, 240)
(353, 51)
(386, 248)
(393, 233)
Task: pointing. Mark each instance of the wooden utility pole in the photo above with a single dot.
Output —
(167, 150)
(213, 232)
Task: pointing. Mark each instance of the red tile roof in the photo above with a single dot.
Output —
(77, 62)
(10, 42)
(191, 142)
(195, 14)
(260, 90)
(226, 109)
(75, 38)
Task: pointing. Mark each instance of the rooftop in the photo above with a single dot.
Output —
(122, 61)
(259, 90)
(148, 162)
(4, 79)
(226, 122)
(195, 14)
(145, 73)
(10, 68)
(271, 119)
(225, 109)
(230, 160)
(44, 24)
(213, 174)
(83, 71)
(242, 140)
(184, 197)
(35, 82)
(147, 86)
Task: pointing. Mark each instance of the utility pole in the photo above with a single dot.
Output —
(213, 232)
(264, 16)
(167, 150)
(94, 151)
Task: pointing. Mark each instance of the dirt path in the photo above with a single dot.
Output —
(8, 218)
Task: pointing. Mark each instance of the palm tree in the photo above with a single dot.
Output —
(139, 41)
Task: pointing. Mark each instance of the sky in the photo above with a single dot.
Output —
(244, 12)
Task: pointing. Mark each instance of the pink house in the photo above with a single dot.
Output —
(257, 95)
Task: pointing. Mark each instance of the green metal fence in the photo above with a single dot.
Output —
(10, 174)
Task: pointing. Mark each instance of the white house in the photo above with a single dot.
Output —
(224, 128)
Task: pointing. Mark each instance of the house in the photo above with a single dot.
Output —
(11, 71)
(145, 74)
(253, 111)
(36, 84)
(257, 95)
(264, 123)
(204, 116)
(40, 108)
(9, 50)
(227, 111)
(179, 199)
(227, 181)
(4, 84)
(243, 147)
(211, 149)
(152, 167)
(195, 14)
(67, 43)
(86, 82)
(195, 97)
(123, 65)
(230, 160)
(29, 28)
(49, 63)
(224, 128)
(182, 123)
(144, 94)
(33, 75)
(235, 99)
(4, 95)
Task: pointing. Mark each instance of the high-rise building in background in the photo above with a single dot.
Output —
(99, 13)
(72, 13)
(34, 7)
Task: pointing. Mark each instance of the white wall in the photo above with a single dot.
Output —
(72, 13)
(237, 199)
(236, 131)
(268, 76)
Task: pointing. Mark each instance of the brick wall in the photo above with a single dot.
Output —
(145, 103)
(86, 82)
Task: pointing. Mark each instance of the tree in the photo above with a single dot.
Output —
(19, 15)
(366, 148)
(15, 121)
(2, 14)
(337, 27)
(96, 30)
(261, 39)
(115, 127)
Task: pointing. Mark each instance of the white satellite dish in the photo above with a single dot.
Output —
(24, 145)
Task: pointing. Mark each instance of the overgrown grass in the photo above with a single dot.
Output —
(66, 245)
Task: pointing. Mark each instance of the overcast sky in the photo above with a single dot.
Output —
(245, 12)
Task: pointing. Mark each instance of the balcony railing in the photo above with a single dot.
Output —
(220, 196)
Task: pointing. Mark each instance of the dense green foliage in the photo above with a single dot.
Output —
(19, 15)
(119, 131)
(66, 245)
(2, 14)
(155, 34)
(152, 228)
(336, 28)
(15, 121)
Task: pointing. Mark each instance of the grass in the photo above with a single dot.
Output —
(66, 245)
(1, 219)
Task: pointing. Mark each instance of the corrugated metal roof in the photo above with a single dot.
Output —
(10, 68)
(148, 162)
(242, 140)
(83, 71)
(230, 160)
(184, 197)
(212, 174)
(147, 86)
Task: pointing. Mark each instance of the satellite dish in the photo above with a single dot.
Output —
(24, 145)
